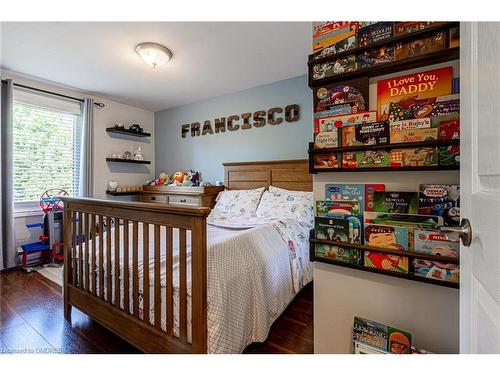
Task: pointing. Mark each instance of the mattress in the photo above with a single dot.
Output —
(253, 272)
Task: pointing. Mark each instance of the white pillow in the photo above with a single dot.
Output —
(291, 192)
(285, 204)
(238, 202)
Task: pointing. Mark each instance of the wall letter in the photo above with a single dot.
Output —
(220, 125)
(292, 112)
(207, 128)
(195, 129)
(270, 116)
(230, 125)
(246, 120)
(184, 129)
(259, 119)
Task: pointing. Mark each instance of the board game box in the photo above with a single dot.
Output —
(327, 160)
(332, 229)
(370, 189)
(395, 202)
(332, 68)
(421, 46)
(370, 332)
(406, 90)
(329, 208)
(442, 201)
(375, 33)
(414, 157)
(341, 254)
(372, 159)
(449, 130)
(375, 56)
(449, 155)
(328, 139)
(353, 92)
(386, 236)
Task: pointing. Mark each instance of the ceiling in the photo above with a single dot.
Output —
(210, 58)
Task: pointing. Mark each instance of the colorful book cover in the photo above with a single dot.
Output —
(348, 192)
(353, 119)
(348, 135)
(414, 157)
(396, 202)
(412, 124)
(375, 33)
(421, 46)
(425, 108)
(327, 160)
(414, 135)
(449, 156)
(332, 68)
(399, 341)
(341, 46)
(370, 332)
(442, 201)
(449, 130)
(386, 236)
(362, 348)
(435, 243)
(328, 139)
(374, 133)
(349, 160)
(341, 254)
(373, 159)
(386, 262)
(352, 92)
(334, 110)
(332, 229)
(330, 208)
(437, 270)
(329, 35)
(370, 189)
(405, 90)
(375, 56)
(402, 28)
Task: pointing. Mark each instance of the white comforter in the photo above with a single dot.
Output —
(254, 270)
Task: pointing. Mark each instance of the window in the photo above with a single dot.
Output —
(46, 145)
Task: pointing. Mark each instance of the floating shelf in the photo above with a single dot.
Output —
(396, 39)
(116, 160)
(387, 169)
(447, 54)
(313, 150)
(127, 132)
(114, 193)
(409, 255)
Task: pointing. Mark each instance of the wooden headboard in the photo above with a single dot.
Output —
(286, 174)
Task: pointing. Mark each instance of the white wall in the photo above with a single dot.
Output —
(104, 145)
(429, 312)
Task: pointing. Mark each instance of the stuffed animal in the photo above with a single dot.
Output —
(194, 177)
(163, 178)
(179, 177)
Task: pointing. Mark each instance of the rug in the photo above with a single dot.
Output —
(54, 274)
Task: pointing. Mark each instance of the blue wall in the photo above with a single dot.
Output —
(207, 153)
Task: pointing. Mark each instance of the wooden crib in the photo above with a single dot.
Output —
(87, 218)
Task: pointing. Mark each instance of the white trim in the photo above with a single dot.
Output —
(27, 208)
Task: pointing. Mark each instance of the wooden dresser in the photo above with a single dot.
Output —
(194, 196)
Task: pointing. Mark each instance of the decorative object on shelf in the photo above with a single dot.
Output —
(112, 185)
(119, 156)
(178, 178)
(136, 128)
(127, 155)
(138, 154)
(206, 183)
(119, 125)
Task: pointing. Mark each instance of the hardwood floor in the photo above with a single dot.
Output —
(31, 321)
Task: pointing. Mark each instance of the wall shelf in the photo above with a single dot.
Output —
(388, 146)
(409, 255)
(116, 160)
(116, 194)
(386, 169)
(127, 132)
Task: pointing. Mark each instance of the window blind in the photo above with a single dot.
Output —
(47, 135)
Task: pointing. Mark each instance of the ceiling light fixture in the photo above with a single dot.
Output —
(153, 53)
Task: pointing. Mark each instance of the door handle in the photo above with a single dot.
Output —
(464, 232)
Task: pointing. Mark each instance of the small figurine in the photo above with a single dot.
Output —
(112, 185)
(138, 154)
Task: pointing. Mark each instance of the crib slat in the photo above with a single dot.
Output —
(93, 256)
(135, 269)
(145, 271)
(101, 257)
(117, 262)
(108, 260)
(80, 249)
(74, 243)
(170, 281)
(126, 301)
(157, 304)
(182, 285)
(87, 252)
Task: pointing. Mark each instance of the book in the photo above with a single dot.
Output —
(375, 33)
(334, 110)
(414, 135)
(348, 192)
(326, 160)
(435, 243)
(436, 270)
(412, 124)
(414, 157)
(370, 189)
(406, 90)
(331, 33)
(341, 254)
(330, 208)
(386, 236)
(395, 202)
(402, 28)
(399, 341)
(370, 333)
(328, 139)
(349, 159)
(362, 348)
(331, 68)
(351, 92)
(344, 120)
(373, 159)
(420, 46)
(454, 37)
(386, 262)
(442, 201)
(341, 46)
(449, 130)
(374, 133)
(375, 56)
(332, 229)
(449, 155)
(426, 108)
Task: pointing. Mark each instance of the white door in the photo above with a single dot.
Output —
(480, 186)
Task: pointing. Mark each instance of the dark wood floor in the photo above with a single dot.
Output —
(31, 321)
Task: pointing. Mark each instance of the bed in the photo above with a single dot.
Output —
(215, 288)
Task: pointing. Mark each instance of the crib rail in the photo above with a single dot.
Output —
(102, 275)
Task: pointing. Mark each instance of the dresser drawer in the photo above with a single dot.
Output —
(184, 199)
(155, 198)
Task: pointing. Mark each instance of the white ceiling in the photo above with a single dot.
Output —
(210, 58)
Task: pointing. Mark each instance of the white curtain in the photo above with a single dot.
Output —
(8, 250)
(87, 149)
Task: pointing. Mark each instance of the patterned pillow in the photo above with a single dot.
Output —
(291, 192)
(238, 202)
(283, 204)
